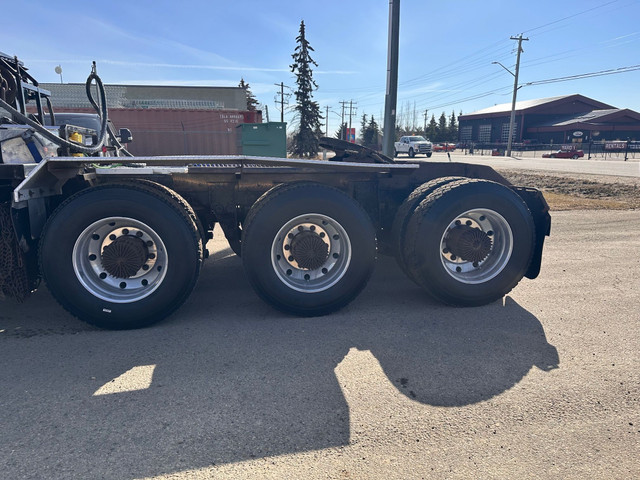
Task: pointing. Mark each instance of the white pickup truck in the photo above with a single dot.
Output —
(412, 145)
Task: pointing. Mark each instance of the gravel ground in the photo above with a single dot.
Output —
(569, 191)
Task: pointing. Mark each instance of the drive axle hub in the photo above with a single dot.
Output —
(309, 250)
(469, 244)
(125, 256)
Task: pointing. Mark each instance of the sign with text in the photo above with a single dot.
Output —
(615, 145)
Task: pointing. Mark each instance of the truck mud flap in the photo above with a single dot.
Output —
(540, 210)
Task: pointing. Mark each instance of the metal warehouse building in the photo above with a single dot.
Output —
(167, 120)
(565, 119)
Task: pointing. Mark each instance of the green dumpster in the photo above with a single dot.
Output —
(262, 139)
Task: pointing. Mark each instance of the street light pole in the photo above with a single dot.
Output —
(391, 96)
(515, 92)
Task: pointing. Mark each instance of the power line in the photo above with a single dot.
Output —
(496, 51)
(580, 76)
(570, 16)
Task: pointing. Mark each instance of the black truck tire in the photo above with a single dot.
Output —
(469, 242)
(308, 249)
(404, 213)
(121, 256)
(412, 153)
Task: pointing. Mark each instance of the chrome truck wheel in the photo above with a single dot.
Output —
(476, 246)
(121, 256)
(311, 253)
(120, 260)
(469, 242)
(308, 249)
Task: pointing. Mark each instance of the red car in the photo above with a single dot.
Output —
(444, 147)
(565, 154)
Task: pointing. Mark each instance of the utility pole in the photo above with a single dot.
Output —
(515, 92)
(326, 123)
(391, 96)
(342, 132)
(426, 115)
(351, 113)
(281, 101)
(326, 132)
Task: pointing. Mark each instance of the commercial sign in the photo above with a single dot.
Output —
(577, 134)
(615, 145)
(351, 135)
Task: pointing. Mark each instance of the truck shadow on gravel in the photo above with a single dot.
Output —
(235, 380)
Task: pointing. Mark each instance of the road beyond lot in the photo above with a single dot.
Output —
(600, 167)
(543, 385)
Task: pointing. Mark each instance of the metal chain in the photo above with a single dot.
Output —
(14, 280)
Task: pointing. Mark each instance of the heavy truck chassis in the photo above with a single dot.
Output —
(120, 241)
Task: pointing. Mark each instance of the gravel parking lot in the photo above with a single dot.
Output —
(542, 385)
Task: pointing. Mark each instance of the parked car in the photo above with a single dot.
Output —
(565, 154)
(444, 147)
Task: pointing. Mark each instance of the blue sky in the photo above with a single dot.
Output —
(446, 48)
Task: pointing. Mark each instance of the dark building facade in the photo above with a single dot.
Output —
(167, 120)
(559, 120)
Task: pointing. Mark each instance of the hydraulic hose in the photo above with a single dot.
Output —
(74, 146)
(102, 110)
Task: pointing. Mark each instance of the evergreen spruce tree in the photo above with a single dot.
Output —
(432, 129)
(305, 141)
(252, 102)
(371, 134)
(341, 133)
(453, 128)
(442, 128)
(363, 127)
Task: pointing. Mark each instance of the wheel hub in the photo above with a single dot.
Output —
(125, 256)
(469, 244)
(311, 253)
(309, 250)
